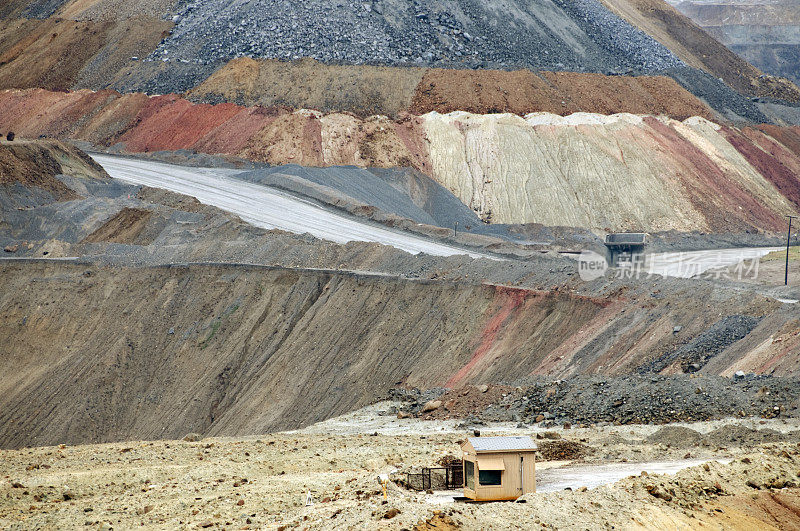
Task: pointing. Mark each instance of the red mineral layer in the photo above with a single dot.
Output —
(232, 135)
(723, 202)
(771, 158)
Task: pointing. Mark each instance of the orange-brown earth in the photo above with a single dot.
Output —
(62, 54)
(367, 90)
(124, 227)
(708, 177)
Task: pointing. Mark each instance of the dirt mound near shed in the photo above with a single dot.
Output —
(735, 435)
(675, 436)
(562, 450)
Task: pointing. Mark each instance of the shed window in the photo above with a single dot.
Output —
(469, 474)
(490, 477)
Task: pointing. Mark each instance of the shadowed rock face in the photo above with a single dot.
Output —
(764, 32)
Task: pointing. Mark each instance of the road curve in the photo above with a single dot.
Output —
(267, 208)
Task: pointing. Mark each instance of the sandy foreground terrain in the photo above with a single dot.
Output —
(262, 482)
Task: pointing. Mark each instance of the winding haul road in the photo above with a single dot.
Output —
(265, 207)
(271, 209)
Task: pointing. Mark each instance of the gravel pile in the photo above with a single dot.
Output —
(675, 436)
(562, 450)
(558, 35)
(733, 435)
(648, 399)
(693, 355)
(553, 34)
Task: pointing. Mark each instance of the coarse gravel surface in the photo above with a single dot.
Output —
(557, 35)
(632, 399)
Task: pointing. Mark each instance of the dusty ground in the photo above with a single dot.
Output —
(769, 271)
(262, 482)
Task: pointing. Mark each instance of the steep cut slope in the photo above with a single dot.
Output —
(766, 33)
(98, 354)
(698, 49)
(619, 172)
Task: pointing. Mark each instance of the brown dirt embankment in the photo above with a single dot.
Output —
(62, 54)
(699, 49)
(561, 93)
(367, 90)
(162, 351)
(308, 84)
(35, 164)
(123, 227)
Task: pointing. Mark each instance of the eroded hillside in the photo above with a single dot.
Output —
(619, 172)
(100, 354)
(228, 53)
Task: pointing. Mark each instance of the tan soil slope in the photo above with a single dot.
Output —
(98, 354)
(698, 49)
(123, 227)
(367, 90)
(307, 84)
(37, 163)
(61, 54)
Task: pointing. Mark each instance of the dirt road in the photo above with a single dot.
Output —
(265, 207)
(694, 263)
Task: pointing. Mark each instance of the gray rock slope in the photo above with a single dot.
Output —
(571, 35)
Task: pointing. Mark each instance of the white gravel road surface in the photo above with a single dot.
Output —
(265, 207)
